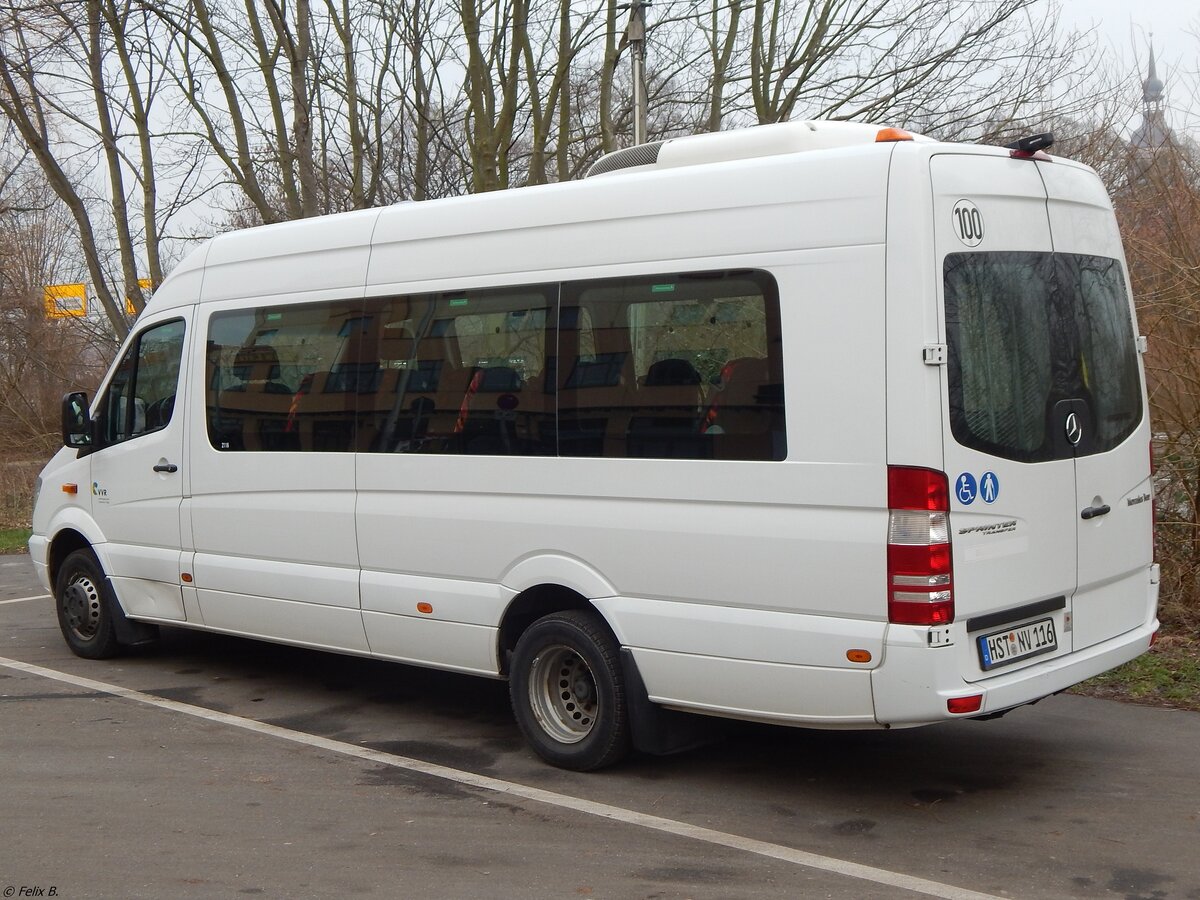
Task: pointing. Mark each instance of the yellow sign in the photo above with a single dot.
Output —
(144, 284)
(66, 301)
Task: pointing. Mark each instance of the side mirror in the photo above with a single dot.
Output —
(76, 421)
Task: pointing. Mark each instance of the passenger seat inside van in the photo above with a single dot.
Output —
(667, 419)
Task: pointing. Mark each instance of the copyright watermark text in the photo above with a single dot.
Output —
(30, 890)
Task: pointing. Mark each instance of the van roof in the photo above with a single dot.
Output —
(836, 170)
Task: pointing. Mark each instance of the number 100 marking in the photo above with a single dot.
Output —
(968, 223)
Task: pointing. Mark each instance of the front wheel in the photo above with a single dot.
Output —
(84, 601)
(567, 691)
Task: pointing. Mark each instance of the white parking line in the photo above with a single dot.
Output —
(23, 599)
(562, 801)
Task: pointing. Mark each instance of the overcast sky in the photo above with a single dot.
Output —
(1124, 28)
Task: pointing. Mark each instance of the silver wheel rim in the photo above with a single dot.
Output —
(81, 604)
(562, 694)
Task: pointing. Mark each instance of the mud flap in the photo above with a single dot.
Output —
(130, 633)
(659, 731)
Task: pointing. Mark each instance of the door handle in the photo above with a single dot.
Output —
(1093, 512)
(166, 467)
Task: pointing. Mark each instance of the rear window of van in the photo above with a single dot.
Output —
(1028, 330)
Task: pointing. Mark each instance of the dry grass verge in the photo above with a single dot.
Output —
(16, 501)
(16, 490)
(1169, 676)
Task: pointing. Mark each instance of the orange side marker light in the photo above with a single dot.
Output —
(858, 656)
(70, 489)
(424, 607)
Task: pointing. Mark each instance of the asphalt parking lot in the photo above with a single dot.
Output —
(211, 766)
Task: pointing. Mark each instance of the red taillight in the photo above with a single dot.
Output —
(920, 569)
(959, 705)
(912, 488)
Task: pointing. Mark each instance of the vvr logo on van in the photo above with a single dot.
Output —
(1074, 429)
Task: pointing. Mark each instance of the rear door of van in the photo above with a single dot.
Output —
(1013, 499)
(1114, 528)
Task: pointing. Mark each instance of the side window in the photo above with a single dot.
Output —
(141, 395)
(462, 372)
(287, 378)
(673, 367)
(683, 366)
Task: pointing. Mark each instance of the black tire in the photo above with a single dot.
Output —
(568, 692)
(84, 600)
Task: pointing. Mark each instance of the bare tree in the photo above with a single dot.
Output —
(35, 40)
(40, 358)
(494, 33)
(268, 110)
(1159, 207)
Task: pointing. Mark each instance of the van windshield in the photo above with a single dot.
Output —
(1028, 330)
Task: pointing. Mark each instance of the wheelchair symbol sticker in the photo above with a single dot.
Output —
(965, 488)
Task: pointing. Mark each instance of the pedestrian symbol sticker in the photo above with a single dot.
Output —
(989, 487)
(965, 488)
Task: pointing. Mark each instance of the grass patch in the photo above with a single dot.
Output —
(13, 540)
(1169, 675)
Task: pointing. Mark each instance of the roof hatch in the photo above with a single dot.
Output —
(747, 143)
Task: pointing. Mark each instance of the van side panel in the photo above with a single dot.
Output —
(761, 206)
(273, 531)
(741, 550)
(912, 389)
(301, 257)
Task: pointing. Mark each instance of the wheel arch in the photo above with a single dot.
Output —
(129, 632)
(72, 528)
(62, 545)
(545, 583)
(652, 729)
(532, 604)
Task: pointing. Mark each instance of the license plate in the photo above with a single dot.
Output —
(1014, 644)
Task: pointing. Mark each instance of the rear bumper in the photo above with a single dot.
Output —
(914, 682)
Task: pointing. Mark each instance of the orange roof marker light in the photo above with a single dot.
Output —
(886, 135)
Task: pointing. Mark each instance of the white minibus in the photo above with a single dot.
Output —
(819, 424)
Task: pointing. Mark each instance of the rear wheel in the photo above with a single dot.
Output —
(85, 603)
(567, 691)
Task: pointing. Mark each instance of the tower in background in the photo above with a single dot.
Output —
(1153, 136)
